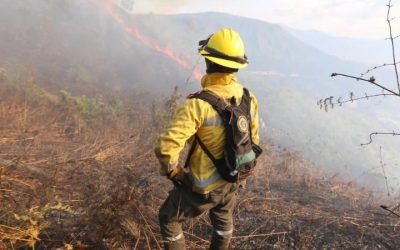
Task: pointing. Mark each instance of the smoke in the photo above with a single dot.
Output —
(88, 41)
(132, 29)
(159, 6)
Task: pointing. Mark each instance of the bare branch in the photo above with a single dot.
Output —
(371, 80)
(378, 133)
(367, 97)
(328, 102)
(389, 21)
(383, 170)
(15, 165)
(377, 67)
(389, 210)
(394, 38)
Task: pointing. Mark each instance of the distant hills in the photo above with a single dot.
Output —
(366, 51)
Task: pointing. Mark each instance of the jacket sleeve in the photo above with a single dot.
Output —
(184, 125)
(255, 120)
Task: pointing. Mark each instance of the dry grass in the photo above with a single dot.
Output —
(70, 182)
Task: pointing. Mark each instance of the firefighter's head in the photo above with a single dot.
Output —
(224, 52)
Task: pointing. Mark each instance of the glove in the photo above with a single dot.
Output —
(174, 172)
(176, 175)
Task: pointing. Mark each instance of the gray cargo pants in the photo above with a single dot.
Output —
(183, 204)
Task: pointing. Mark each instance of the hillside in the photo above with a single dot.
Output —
(69, 45)
(79, 173)
(82, 39)
(70, 42)
(268, 45)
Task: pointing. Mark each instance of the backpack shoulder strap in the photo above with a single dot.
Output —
(203, 147)
(216, 102)
(219, 105)
(246, 99)
(246, 92)
(191, 151)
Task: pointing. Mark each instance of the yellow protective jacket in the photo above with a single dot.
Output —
(198, 116)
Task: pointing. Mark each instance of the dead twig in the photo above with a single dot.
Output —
(367, 97)
(372, 81)
(137, 242)
(389, 21)
(148, 226)
(389, 210)
(378, 133)
(383, 170)
(197, 237)
(147, 240)
(11, 165)
(378, 67)
(259, 235)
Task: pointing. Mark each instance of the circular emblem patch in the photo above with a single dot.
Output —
(242, 124)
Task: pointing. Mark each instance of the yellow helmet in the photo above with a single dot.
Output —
(225, 47)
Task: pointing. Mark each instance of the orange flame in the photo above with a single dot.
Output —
(135, 31)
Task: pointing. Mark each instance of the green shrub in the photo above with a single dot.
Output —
(88, 107)
(117, 107)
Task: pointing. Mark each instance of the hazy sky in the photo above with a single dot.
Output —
(352, 18)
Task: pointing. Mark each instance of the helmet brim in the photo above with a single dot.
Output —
(223, 62)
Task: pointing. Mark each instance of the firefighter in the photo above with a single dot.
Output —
(199, 187)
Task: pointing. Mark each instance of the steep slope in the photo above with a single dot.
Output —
(89, 180)
(73, 43)
(77, 41)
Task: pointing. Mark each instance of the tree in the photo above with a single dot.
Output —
(385, 91)
(370, 79)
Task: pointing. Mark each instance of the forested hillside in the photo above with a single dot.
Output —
(85, 89)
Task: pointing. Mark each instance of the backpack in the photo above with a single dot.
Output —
(240, 153)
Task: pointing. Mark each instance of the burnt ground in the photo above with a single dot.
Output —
(72, 182)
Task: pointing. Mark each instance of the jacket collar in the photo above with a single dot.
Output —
(217, 79)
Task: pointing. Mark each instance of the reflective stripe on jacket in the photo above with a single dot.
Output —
(197, 116)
